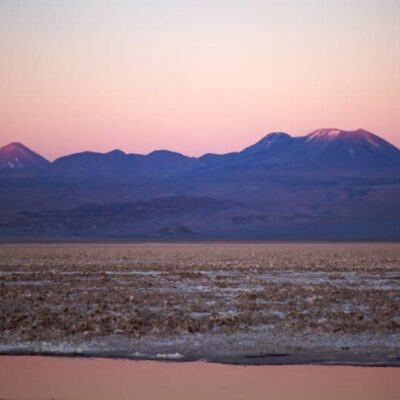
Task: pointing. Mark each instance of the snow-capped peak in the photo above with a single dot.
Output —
(329, 134)
(16, 155)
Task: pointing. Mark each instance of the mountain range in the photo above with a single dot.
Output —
(330, 184)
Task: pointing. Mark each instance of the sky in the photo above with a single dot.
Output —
(194, 76)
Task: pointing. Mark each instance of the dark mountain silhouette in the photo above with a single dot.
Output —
(323, 151)
(270, 145)
(161, 163)
(330, 184)
(15, 156)
(330, 150)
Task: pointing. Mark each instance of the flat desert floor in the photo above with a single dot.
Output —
(250, 303)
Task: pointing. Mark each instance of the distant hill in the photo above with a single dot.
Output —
(16, 156)
(327, 150)
(331, 184)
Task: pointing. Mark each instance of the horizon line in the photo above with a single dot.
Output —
(354, 131)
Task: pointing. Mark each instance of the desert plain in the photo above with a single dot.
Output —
(240, 303)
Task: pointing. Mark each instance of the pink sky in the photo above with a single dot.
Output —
(194, 77)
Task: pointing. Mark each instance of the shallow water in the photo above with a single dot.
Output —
(42, 378)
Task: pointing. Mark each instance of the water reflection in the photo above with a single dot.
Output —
(45, 378)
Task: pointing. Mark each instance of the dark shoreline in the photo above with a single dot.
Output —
(203, 241)
(333, 358)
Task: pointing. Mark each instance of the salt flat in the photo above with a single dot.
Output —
(253, 303)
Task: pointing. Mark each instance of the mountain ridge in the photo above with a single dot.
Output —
(317, 132)
(329, 184)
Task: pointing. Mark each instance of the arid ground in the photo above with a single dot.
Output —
(254, 303)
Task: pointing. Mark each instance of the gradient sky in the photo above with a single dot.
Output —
(194, 76)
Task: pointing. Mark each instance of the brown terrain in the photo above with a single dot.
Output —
(229, 302)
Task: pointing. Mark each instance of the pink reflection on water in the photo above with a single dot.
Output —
(43, 378)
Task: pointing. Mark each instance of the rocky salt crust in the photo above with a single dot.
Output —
(237, 303)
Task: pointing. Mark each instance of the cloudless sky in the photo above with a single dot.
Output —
(194, 76)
